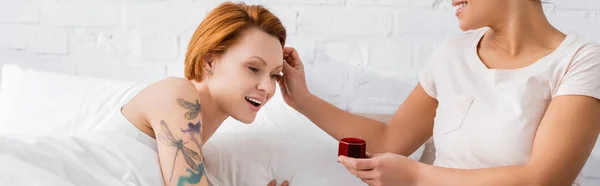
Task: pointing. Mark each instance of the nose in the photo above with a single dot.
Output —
(267, 85)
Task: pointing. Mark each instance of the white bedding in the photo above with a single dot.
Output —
(94, 159)
(281, 144)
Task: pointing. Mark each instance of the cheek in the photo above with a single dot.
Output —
(487, 11)
(227, 81)
(233, 74)
(273, 87)
(476, 16)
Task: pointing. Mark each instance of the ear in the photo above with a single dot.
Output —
(208, 58)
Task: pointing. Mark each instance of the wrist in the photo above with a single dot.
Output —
(305, 101)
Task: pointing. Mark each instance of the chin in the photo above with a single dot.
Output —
(246, 119)
(469, 24)
(464, 26)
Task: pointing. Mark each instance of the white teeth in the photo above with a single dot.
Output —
(462, 5)
(254, 100)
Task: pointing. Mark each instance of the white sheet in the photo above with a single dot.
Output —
(94, 159)
(280, 144)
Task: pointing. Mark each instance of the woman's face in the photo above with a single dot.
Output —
(244, 77)
(475, 14)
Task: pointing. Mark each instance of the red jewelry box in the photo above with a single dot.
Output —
(352, 147)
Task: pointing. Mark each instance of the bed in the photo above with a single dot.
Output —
(49, 135)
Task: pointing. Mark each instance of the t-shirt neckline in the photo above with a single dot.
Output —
(539, 64)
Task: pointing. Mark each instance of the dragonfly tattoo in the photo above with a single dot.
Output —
(194, 177)
(194, 108)
(167, 138)
(194, 130)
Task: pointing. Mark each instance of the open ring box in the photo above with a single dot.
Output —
(352, 147)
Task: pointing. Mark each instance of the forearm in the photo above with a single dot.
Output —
(340, 124)
(498, 176)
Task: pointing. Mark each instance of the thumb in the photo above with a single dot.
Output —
(375, 155)
(272, 183)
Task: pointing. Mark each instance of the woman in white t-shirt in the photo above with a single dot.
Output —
(513, 101)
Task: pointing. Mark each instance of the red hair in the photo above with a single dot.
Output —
(222, 28)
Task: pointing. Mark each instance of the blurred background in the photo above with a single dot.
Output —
(361, 55)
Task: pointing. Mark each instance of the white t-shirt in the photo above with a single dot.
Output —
(489, 117)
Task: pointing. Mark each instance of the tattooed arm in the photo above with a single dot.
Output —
(173, 112)
(170, 110)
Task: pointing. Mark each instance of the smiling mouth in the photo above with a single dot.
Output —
(253, 101)
(462, 5)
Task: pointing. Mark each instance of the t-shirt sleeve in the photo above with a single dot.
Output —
(426, 74)
(583, 75)
(426, 80)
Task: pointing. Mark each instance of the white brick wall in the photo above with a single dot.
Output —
(362, 55)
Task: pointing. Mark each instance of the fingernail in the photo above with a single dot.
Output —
(339, 160)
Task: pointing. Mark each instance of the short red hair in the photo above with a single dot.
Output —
(222, 28)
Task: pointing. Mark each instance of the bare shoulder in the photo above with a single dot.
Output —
(161, 99)
(166, 90)
(168, 95)
(173, 112)
(171, 87)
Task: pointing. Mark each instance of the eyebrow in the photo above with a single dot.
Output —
(263, 62)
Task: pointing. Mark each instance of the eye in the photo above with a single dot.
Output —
(276, 76)
(253, 69)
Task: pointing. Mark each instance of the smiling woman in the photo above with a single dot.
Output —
(232, 64)
(512, 102)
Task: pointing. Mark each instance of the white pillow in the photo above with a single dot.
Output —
(280, 144)
(40, 103)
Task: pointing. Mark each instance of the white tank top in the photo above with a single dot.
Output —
(118, 122)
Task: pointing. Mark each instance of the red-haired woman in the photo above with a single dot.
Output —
(232, 64)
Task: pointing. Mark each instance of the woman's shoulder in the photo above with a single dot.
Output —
(157, 99)
(582, 49)
(587, 45)
(171, 87)
(164, 92)
(174, 82)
